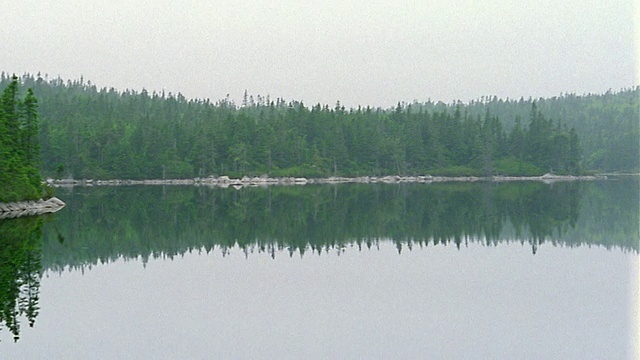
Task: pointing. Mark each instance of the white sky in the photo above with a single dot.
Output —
(359, 52)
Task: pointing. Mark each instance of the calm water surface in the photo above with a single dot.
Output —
(472, 271)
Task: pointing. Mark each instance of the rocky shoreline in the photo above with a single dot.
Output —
(30, 208)
(225, 181)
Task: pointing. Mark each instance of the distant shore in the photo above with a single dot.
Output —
(262, 181)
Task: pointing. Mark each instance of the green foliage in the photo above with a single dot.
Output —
(309, 171)
(606, 124)
(19, 146)
(48, 192)
(103, 133)
(176, 169)
(59, 171)
(512, 166)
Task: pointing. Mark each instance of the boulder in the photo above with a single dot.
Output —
(30, 208)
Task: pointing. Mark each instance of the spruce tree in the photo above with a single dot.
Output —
(19, 148)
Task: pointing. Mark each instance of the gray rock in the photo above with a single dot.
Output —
(30, 208)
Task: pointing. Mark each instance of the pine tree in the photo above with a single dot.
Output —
(29, 116)
(574, 152)
(19, 149)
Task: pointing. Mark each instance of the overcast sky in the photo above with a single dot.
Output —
(359, 52)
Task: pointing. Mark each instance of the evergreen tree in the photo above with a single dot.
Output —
(19, 147)
(103, 133)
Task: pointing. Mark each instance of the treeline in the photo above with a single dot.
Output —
(607, 124)
(19, 148)
(108, 223)
(88, 132)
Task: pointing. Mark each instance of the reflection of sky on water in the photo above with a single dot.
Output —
(477, 302)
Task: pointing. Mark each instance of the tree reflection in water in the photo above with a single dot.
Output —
(106, 223)
(102, 224)
(20, 271)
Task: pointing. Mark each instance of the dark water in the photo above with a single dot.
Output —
(477, 271)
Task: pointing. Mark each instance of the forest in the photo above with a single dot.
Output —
(103, 133)
(19, 145)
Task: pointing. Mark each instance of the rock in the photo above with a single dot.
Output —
(56, 202)
(30, 208)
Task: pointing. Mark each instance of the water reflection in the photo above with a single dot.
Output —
(102, 224)
(20, 267)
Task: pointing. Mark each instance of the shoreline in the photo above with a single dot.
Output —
(264, 181)
(30, 208)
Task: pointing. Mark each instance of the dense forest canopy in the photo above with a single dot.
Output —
(88, 132)
(19, 147)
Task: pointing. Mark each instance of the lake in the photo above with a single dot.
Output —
(444, 271)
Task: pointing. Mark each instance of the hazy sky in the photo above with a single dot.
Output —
(359, 52)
